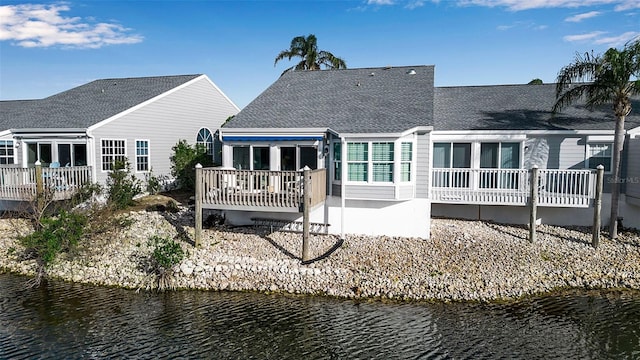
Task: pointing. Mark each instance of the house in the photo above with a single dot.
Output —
(92, 125)
(393, 150)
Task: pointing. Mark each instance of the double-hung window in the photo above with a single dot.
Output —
(382, 161)
(6, 152)
(142, 155)
(112, 150)
(406, 159)
(337, 161)
(358, 161)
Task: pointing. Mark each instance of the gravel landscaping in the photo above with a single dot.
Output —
(463, 260)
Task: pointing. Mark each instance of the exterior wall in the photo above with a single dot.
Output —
(423, 165)
(163, 122)
(546, 215)
(555, 152)
(410, 218)
(632, 178)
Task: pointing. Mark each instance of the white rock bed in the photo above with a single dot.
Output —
(463, 260)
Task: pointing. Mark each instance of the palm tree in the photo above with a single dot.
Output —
(611, 78)
(312, 58)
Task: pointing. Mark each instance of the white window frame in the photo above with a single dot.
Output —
(408, 162)
(8, 147)
(479, 156)
(111, 156)
(210, 149)
(397, 161)
(147, 156)
(588, 155)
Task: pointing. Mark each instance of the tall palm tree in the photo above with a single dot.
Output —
(312, 58)
(611, 78)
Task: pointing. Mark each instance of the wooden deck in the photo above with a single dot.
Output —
(20, 184)
(259, 190)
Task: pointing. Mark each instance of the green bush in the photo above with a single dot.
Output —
(57, 234)
(166, 252)
(122, 186)
(154, 184)
(184, 160)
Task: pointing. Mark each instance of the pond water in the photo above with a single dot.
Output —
(64, 320)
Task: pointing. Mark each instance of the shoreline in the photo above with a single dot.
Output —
(463, 261)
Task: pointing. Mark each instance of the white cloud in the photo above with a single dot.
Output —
(599, 38)
(34, 25)
(583, 16)
(583, 37)
(620, 40)
(380, 2)
(517, 5)
(414, 4)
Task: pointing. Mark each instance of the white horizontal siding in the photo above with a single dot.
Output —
(179, 115)
(370, 192)
(423, 165)
(632, 180)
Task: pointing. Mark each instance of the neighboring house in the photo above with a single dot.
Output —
(395, 150)
(92, 125)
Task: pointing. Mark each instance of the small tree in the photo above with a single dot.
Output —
(122, 185)
(184, 160)
(166, 254)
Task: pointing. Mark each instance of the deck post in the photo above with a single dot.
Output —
(306, 204)
(39, 185)
(533, 203)
(198, 205)
(597, 208)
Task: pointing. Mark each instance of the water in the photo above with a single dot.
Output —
(62, 320)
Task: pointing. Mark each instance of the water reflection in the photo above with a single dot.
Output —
(64, 320)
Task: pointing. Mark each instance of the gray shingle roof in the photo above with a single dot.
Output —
(518, 107)
(87, 104)
(366, 100)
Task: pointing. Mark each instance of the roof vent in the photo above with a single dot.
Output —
(411, 72)
(372, 74)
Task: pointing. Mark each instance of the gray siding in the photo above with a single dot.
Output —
(632, 179)
(370, 192)
(423, 164)
(165, 121)
(555, 152)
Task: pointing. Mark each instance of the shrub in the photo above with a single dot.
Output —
(154, 184)
(184, 160)
(166, 254)
(122, 186)
(56, 235)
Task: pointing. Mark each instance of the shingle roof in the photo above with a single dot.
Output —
(365, 100)
(518, 107)
(87, 104)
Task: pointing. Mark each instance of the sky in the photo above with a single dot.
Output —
(49, 47)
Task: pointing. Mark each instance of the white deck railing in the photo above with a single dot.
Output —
(20, 183)
(568, 188)
(259, 188)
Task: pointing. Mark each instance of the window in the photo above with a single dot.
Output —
(599, 153)
(79, 154)
(112, 151)
(382, 161)
(205, 138)
(337, 156)
(39, 152)
(241, 158)
(451, 156)
(309, 157)
(6, 152)
(260, 158)
(288, 159)
(499, 156)
(406, 158)
(357, 161)
(142, 155)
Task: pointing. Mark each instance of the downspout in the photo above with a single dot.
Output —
(91, 147)
(343, 178)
